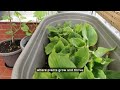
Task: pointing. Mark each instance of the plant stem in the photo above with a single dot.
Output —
(12, 37)
(20, 22)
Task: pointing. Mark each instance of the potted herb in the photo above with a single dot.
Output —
(28, 32)
(10, 49)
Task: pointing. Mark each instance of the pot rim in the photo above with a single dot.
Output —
(23, 40)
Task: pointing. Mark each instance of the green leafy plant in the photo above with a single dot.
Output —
(39, 15)
(13, 29)
(74, 46)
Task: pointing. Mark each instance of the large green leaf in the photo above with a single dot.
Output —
(92, 35)
(60, 61)
(86, 74)
(112, 74)
(98, 66)
(9, 32)
(101, 63)
(24, 27)
(72, 50)
(99, 74)
(89, 34)
(78, 28)
(90, 65)
(65, 42)
(40, 14)
(77, 42)
(102, 51)
(6, 17)
(54, 39)
(59, 46)
(28, 33)
(67, 24)
(49, 48)
(42, 75)
(98, 62)
(84, 32)
(106, 61)
(74, 35)
(66, 50)
(67, 30)
(17, 14)
(97, 59)
(82, 57)
(52, 31)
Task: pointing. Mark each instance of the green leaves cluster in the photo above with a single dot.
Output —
(23, 26)
(72, 46)
(39, 16)
(13, 27)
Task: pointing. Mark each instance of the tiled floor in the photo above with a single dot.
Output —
(5, 73)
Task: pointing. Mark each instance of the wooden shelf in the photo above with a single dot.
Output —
(113, 17)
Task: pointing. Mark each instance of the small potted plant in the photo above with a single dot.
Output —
(10, 49)
(28, 32)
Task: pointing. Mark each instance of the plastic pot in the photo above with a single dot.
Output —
(11, 57)
(24, 42)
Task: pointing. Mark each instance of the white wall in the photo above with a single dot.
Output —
(27, 14)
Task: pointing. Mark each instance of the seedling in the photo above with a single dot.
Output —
(13, 27)
(39, 16)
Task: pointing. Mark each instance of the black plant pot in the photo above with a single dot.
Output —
(11, 57)
(24, 42)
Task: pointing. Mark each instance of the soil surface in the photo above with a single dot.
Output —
(8, 46)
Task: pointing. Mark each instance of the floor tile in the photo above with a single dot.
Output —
(2, 63)
(7, 72)
(2, 70)
(4, 77)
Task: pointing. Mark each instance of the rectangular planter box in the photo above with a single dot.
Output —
(33, 55)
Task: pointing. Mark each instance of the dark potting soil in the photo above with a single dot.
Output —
(8, 46)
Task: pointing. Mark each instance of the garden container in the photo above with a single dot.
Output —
(33, 55)
(11, 57)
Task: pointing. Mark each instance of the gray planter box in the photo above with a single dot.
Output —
(33, 55)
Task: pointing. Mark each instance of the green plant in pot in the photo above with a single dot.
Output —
(39, 15)
(10, 49)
